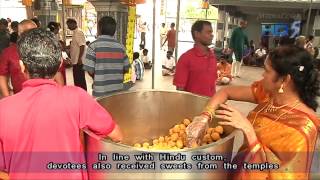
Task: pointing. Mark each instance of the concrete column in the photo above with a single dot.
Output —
(46, 11)
(120, 13)
(116, 10)
(226, 34)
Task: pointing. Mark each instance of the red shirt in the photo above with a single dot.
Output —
(9, 66)
(62, 70)
(41, 124)
(196, 72)
(171, 36)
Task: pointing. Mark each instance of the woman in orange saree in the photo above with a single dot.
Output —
(281, 131)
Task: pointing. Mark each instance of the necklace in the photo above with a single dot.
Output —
(270, 108)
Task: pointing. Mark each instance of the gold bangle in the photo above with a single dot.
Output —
(209, 110)
(207, 114)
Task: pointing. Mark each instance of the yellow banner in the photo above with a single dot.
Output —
(130, 39)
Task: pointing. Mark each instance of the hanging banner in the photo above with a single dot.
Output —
(194, 12)
(132, 2)
(130, 39)
(162, 7)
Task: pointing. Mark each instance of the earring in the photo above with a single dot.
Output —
(281, 89)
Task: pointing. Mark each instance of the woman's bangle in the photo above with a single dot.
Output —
(254, 146)
(207, 114)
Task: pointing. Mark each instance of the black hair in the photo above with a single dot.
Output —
(53, 25)
(298, 63)
(136, 55)
(14, 24)
(40, 52)
(141, 46)
(145, 51)
(4, 22)
(107, 26)
(71, 21)
(14, 37)
(310, 38)
(224, 56)
(170, 52)
(198, 26)
(62, 45)
(172, 25)
(36, 21)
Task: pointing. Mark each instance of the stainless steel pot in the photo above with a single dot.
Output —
(144, 115)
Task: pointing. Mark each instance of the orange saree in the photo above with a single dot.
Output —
(286, 141)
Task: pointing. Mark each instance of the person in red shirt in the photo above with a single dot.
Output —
(171, 38)
(196, 70)
(9, 64)
(46, 130)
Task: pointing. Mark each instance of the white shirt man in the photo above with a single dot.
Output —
(163, 31)
(168, 65)
(163, 34)
(261, 52)
(78, 39)
(77, 52)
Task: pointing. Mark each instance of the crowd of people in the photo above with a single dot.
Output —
(51, 115)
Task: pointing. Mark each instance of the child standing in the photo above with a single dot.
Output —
(138, 66)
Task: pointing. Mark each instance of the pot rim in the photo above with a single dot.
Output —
(152, 90)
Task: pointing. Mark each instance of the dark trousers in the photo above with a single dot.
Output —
(143, 39)
(79, 76)
(171, 49)
(147, 65)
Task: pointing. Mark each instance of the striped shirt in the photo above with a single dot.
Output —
(139, 69)
(107, 60)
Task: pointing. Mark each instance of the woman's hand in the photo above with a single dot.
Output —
(4, 175)
(196, 130)
(235, 119)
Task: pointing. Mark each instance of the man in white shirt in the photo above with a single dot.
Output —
(163, 34)
(168, 65)
(77, 48)
(260, 52)
(143, 30)
(260, 56)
